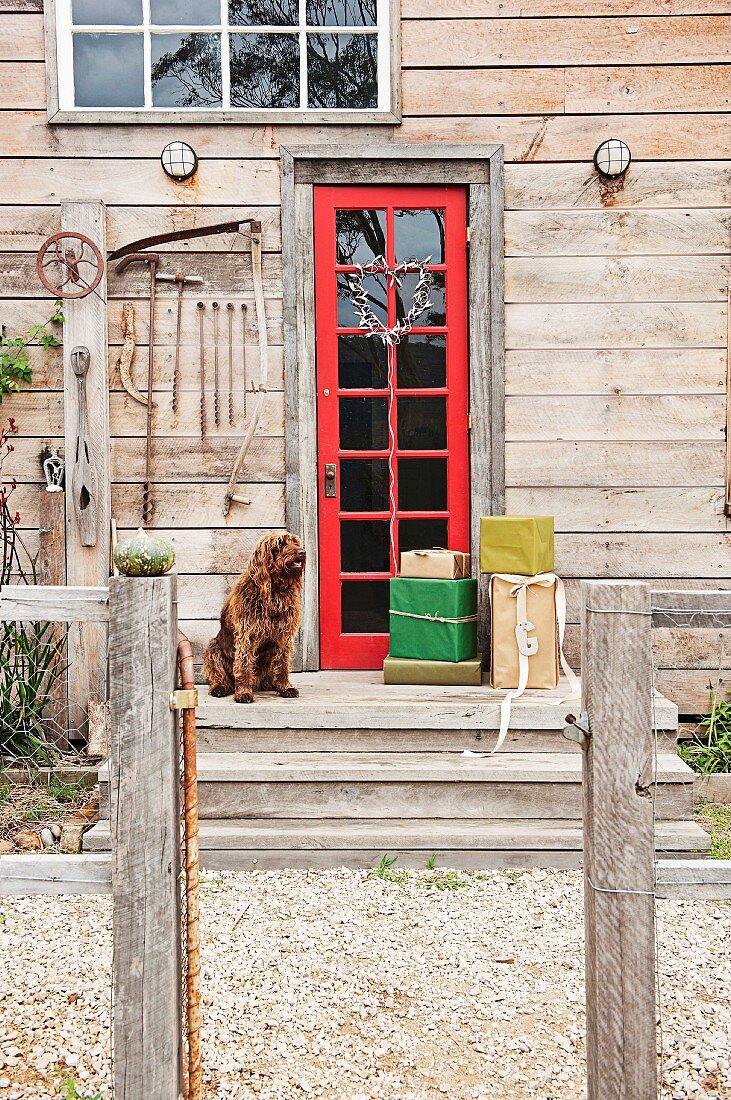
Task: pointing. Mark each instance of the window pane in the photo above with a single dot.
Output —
(421, 534)
(435, 314)
(376, 292)
(265, 70)
(364, 546)
(263, 13)
(342, 70)
(108, 70)
(362, 363)
(186, 70)
(121, 13)
(361, 235)
(364, 606)
(422, 485)
(421, 361)
(364, 485)
(363, 423)
(341, 13)
(419, 233)
(422, 423)
(185, 12)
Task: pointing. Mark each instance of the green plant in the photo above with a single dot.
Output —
(710, 751)
(383, 870)
(431, 862)
(14, 362)
(31, 660)
(69, 1091)
(717, 820)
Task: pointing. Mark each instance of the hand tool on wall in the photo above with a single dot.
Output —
(230, 311)
(243, 351)
(83, 479)
(151, 259)
(261, 391)
(127, 353)
(216, 379)
(202, 342)
(180, 280)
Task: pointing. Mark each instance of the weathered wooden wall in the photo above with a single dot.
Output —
(615, 318)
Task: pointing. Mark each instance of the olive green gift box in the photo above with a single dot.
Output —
(433, 620)
(521, 545)
(405, 670)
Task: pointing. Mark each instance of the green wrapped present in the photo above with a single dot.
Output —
(433, 620)
(402, 670)
(520, 545)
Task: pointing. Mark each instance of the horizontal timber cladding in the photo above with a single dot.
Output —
(616, 316)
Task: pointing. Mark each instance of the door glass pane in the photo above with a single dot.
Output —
(186, 70)
(363, 423)
(422, 484)
(364, 546)
(342, 70)
(419, 233)
(264, 70)
(422, 423)
(364, 607)
(375, 288)
(361, 235)
(122, 12)
(421, 534)
(421, 361)
(341, 13)
(364, 485)
(435, 314)
(109, 70)
(362, 363)
(263, 13)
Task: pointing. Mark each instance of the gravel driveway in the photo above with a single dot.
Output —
(342, 985)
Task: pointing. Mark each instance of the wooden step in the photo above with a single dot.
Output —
(360, 700)
(459, 843)
(408, 785)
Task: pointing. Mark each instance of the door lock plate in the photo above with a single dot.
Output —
(331, 484)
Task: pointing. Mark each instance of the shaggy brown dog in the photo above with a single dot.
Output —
(259, 620)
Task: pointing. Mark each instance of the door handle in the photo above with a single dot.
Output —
(331, 479)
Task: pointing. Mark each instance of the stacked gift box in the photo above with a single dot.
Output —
(518, 553)
(433, 621)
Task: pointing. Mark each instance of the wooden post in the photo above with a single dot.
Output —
(616, 666)
(145, 822)
(86, 326)
(52, 570)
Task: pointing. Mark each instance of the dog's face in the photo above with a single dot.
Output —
(281, 555)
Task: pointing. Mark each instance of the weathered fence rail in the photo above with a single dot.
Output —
(143, 871)
(622, 877)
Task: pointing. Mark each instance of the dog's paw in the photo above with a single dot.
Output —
(243, 697)
(219, 692)
(289, 692)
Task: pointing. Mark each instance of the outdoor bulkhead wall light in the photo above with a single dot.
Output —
(179, 160)
(612, 158)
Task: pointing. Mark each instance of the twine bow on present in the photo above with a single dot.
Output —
(435, 618)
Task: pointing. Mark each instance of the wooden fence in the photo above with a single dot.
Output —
(143, 871)
(622, 877)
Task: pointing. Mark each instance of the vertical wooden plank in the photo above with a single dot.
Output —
(300, 396)
(618, 841)
(727, 507)
(497, 330)
(86, 325)
(52, 570)
(145, 823)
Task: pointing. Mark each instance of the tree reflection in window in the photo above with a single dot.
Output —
(342, 70)
(265, 70)
(190, 74)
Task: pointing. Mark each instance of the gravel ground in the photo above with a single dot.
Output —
(342, 985)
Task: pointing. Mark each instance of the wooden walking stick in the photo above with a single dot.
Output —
(152, 260)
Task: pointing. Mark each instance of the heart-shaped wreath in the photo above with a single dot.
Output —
(421, 300)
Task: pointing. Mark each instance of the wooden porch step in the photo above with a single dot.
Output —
(462, 843)
(445, 785)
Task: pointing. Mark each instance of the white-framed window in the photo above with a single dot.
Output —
(278, 56)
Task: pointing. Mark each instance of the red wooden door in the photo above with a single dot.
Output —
(393, 456)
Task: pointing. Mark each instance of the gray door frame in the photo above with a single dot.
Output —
(480, 169)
